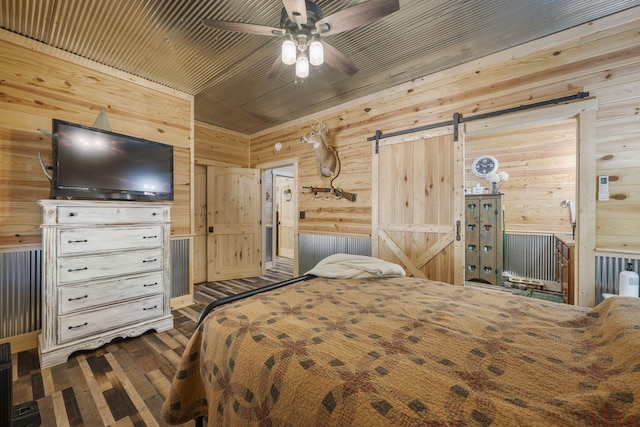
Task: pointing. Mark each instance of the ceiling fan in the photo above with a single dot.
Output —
(302, 26)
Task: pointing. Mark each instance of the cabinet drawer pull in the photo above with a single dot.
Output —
(78, 269)
(150, 308)
(150, 260)
(150, 284)
(78, 241)
(77, 298)
(79, 326)
(149, 237)
(72, 214)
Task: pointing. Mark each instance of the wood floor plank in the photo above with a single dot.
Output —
(71, 406)
(47, 416)
(125, 382)
(118, 399)
(181, 339)
(155, 343)
(47, 381)
(160, 382)
(87, 405)
(168, 340)
(101, 404)
(59, 410)
(131, 391)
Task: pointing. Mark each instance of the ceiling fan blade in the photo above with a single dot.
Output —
(277, 68)
(296, 9)
(241, 27)
(338, 60)
(355, 16)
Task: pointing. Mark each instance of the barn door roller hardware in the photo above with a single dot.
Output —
(457, 118)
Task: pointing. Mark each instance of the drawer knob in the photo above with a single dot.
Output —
(78, 269)
(72, 214)
(149, 237)
(77, 298)
(150, 260)
(150, 284)
(78, 241)
(150, 308)
(79, 326)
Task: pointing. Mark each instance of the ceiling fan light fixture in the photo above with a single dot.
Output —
(316, 53)
(302, 67)
(289, 52)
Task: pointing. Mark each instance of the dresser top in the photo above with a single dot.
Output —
(102, 203)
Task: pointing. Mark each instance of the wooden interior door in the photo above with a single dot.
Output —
(418, 204)
(233, 223)
(286, 213)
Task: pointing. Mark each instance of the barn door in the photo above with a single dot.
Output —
(417, 204)
(233, 223)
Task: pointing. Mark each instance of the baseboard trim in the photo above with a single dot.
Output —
(22, 342)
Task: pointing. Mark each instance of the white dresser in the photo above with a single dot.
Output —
(105, 274)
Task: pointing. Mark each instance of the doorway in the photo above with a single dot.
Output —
(535, 183)
(581, 115)
(279, 208)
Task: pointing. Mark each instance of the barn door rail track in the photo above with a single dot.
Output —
(458, 119)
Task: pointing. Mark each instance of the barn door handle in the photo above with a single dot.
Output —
(458, 230)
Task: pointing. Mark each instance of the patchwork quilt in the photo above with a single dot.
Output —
(401, 351)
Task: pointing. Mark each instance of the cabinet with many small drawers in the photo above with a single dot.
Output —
(105, 274)
(483, 253)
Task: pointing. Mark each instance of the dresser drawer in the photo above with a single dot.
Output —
(84, 324)
(78, 297)
(85, 240)
(92, 267)
(109, 215)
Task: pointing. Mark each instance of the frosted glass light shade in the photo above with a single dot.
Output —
(289, 52)
(302, 67)
(316, 53)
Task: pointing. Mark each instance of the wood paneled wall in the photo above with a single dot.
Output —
(39, 83)
(541, 163)
(602, 57)
(216, 145)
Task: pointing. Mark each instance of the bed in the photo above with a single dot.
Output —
(372, 347)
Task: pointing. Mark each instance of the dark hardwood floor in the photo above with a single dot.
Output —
(125, 382)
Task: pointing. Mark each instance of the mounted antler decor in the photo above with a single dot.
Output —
(327, 161)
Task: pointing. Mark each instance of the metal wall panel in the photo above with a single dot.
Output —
(179, 267)
(530, 255)
(608, 274)
(21, 287)
(20, 292)
(312, 248)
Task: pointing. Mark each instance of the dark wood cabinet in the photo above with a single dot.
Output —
(483, 238)
(565, 249)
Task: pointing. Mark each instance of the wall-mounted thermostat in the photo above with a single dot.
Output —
(603, 187)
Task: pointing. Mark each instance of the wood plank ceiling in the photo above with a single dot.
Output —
(164, 41)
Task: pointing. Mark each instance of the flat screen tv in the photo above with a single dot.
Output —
(90, 163)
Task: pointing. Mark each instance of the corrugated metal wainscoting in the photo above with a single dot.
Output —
(530, 255)
(179, 267)
(312, 248)
(21, 287)
(608, 270)
(20, 292)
